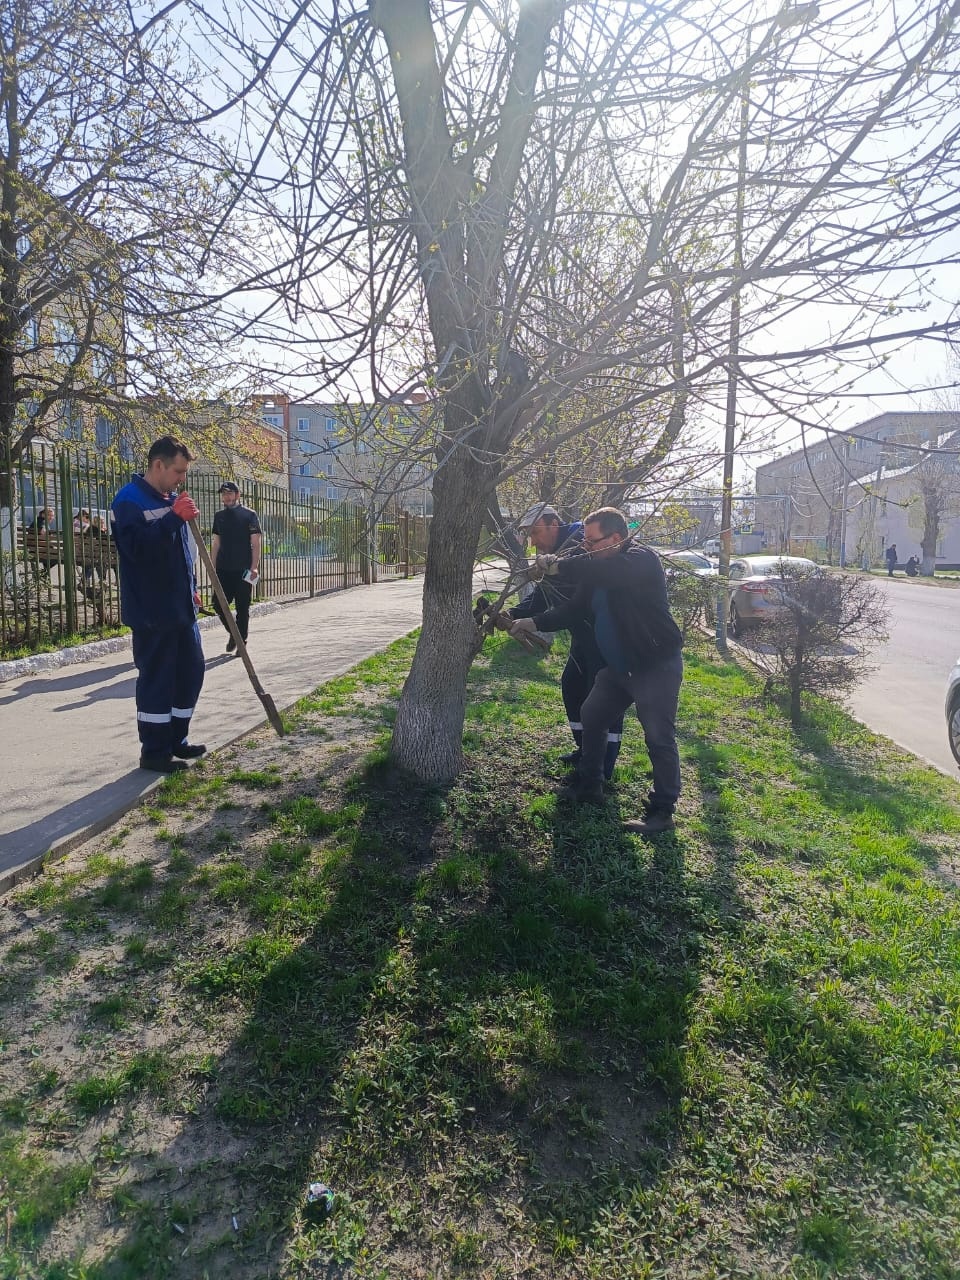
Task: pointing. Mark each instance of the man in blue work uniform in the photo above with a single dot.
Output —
(158, 602)
(622, 587)
(550, 535)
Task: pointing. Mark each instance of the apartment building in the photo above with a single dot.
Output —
(373, 456)
(834, 504)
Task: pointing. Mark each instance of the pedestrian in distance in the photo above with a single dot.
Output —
(891, 554)
(158, 602)
(552, 536)
(236, 556)
(621, 585)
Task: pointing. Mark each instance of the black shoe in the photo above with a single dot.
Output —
(655, 823)
(189, 751)
(572, 757)
(588, 792)
(157, 762)
(231, 645)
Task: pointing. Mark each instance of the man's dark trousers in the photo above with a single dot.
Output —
(654, 690)
(235, 589)
(169, 662)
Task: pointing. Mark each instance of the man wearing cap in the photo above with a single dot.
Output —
(550, 535)
(158, 602)
(621, 587)
(236, 555)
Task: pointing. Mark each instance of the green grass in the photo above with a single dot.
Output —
(498, 1027)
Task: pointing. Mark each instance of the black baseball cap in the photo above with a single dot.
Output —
(228, 486)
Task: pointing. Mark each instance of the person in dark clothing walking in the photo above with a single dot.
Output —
(621, 585)
(891, 559)
(236, 555)
(550, 535)
(158, 602)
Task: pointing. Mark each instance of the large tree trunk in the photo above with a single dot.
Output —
(427, 736)
(931, 534)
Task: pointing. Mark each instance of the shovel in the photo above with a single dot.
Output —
(269, 706)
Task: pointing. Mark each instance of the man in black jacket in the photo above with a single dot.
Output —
(236, 554)
(550, 535)
(622, 586)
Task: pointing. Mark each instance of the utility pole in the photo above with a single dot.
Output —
(733, 357)
(789, 16)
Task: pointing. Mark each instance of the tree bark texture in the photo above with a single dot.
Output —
(427, 736)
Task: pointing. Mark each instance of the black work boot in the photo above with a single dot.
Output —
(588, 792)
(190, 751)
(160, 762)
(654, 823)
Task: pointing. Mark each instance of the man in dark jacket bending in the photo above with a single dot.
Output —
(621, 585)
(550, 535)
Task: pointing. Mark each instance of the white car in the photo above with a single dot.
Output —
(952, 711)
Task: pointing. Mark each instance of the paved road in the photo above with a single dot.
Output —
(904, 698)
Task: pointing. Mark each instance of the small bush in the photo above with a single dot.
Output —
(692, 598)
(819, 640)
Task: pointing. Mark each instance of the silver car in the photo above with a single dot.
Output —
(757, 584)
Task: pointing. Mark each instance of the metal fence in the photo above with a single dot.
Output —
(58, 564)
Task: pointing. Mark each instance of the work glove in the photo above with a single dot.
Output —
(547, 564)
(522, 627)
(503, 622)
(185, 507)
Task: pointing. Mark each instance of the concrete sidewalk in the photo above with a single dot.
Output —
(68, 740)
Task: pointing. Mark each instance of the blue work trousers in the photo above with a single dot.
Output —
(169, 662)
(576, 682)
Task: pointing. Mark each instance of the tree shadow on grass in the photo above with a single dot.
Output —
(459, 1004)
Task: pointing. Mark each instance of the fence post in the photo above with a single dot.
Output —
(68, 584)
(406, 544)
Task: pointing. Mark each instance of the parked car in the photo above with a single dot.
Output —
(691, 561)
(686, 567)
(757, 586)
(952, 711)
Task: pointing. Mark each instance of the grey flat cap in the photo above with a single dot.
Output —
(539, 511)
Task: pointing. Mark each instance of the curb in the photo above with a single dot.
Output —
(39, 662)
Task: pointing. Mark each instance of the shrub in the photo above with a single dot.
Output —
(819, 640)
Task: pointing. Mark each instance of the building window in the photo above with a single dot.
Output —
(303, 425)
(328, 468)
(66, 341)
(361, 446)
(101, 366)
(332, 491)
(330, 424)
(305, 468)
(105, 432)
(72, 422)
(304, 495)
(273, 419)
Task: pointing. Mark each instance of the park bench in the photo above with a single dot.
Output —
(91, 550)
(94, 557)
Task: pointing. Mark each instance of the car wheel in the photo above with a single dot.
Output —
(736, 622)
(953, 728)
